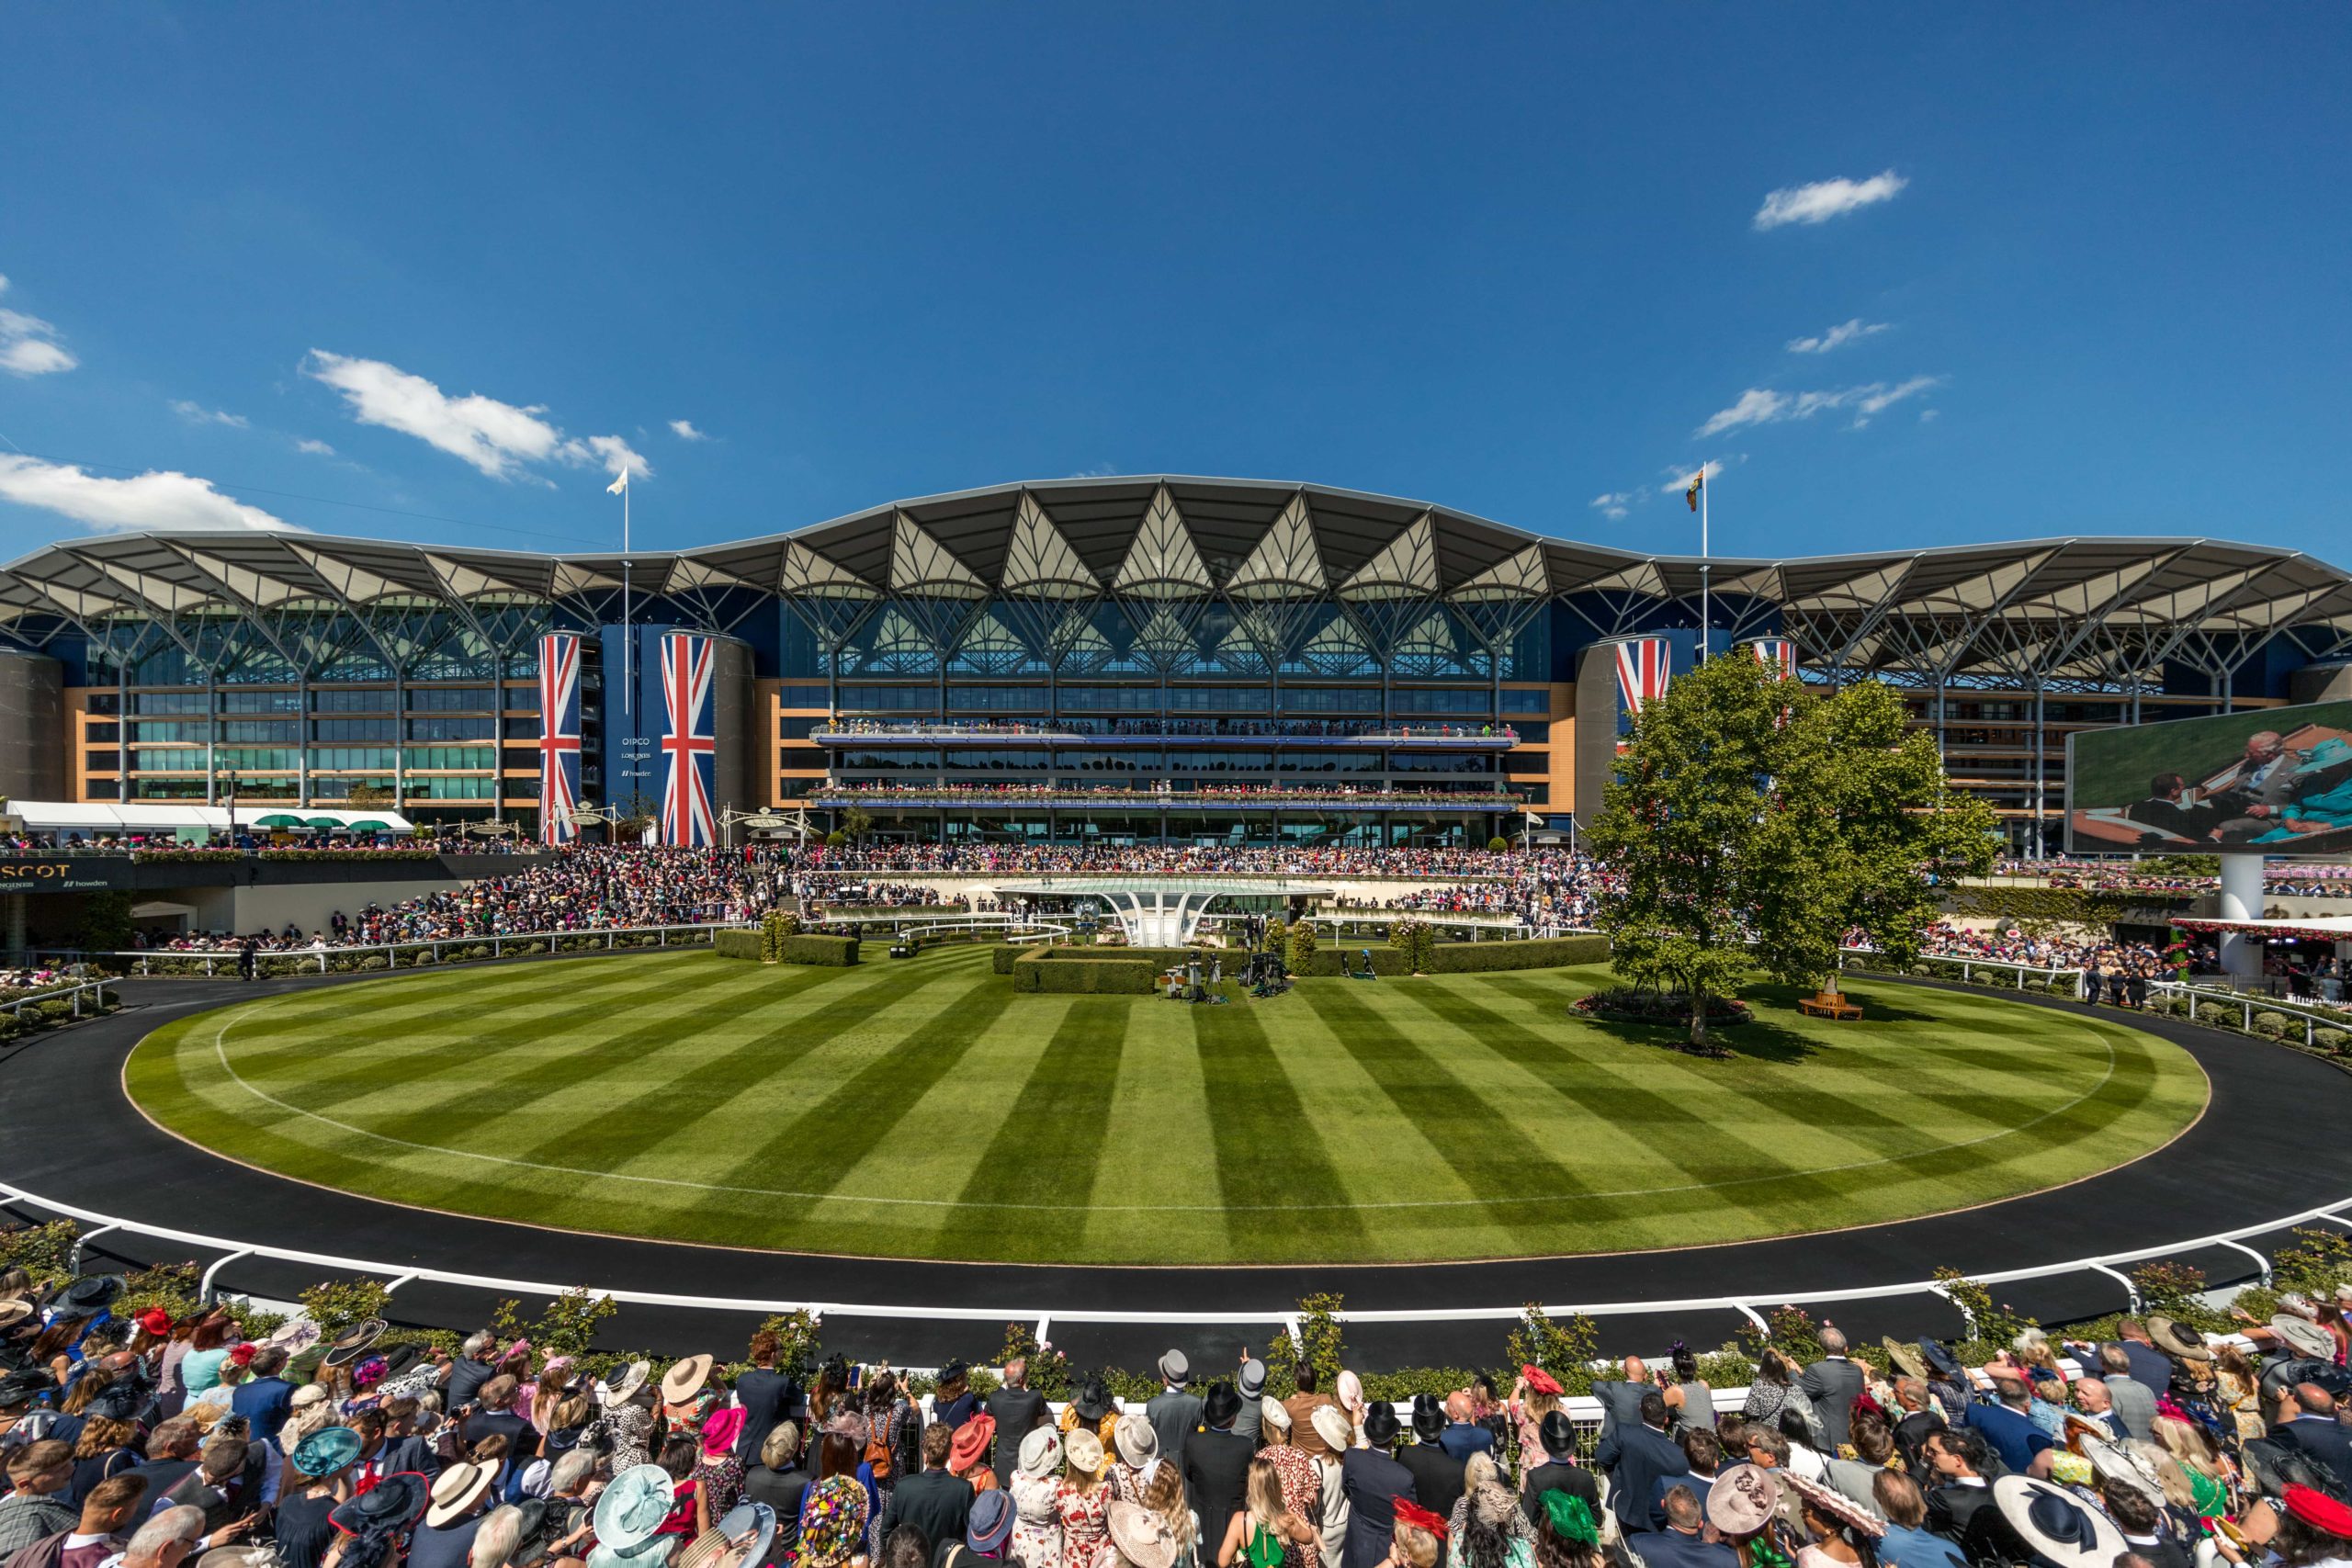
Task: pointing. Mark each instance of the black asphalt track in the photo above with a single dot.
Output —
(2269, 1146)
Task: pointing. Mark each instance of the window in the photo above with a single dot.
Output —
(451, 789)
(104, 702)
(103, 789)
(265, 730)
(1331, 699)
(800, 728)
(348, 759)
(378, 730)
(1442, 699)
(909, 757)
(1219, 699)
(261, 702)
(1121, 761)
(450, 729)
(348, 699)
(448, 699)
(1436, 762)
(152, 729)
(167, 702)
(102, 761)
(885, 699)
(1108, 699)
(996, 699)
(111, 731)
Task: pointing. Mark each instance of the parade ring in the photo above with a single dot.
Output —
(107, 1158)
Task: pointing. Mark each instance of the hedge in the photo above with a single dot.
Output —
(830, 951)
(1536, 952)
(1085, 977)
(736, 944)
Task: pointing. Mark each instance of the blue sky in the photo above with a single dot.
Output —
(2090, 262)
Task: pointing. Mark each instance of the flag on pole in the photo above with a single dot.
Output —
(1698, 483)
(620, 485)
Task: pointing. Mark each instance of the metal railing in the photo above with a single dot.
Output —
(1968, 968)
(62, 993)
(576, 941)
(948, 925)
(2314, 1019)
(1044, 1314)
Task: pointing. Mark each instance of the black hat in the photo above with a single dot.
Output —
(1558, 1434)
(1220, 1406)
(1094, 1401)
(1941, 1359)
(1428, 1417)
(399, 1359)
(89, 1295)
(348, 1344)
(1380, 1426)
(393, 1504)
(116, 1402)
(531, 1545)
(31, 1383)
(952, 1371)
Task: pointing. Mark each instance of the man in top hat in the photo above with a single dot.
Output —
(1559, 1471)
(1175, 1411)
(1017, 1409)
(1635, 1457)
(1217, 1462)
(1438, 1481)
(2306, 1418)
(936, 1502)
(1251, 1384)
(1373, 1480)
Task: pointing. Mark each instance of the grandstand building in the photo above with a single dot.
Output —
(1157, 658)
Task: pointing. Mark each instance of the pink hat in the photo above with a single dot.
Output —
(720, 1429)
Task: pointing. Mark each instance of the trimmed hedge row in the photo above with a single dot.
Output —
(1535, 952)
(1085, 977)
(829, 952)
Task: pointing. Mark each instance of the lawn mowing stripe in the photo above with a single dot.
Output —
(1269, 1149)
(1493, 1159)
(813, 1150)
(283, 1032)
(1051, 1142)
(521, 1068)
(1625, 1101)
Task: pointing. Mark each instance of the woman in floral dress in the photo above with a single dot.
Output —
(1036, 1501)
(1084, 1504)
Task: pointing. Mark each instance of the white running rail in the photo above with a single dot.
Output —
(691, 935)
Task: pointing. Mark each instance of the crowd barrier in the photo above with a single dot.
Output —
(177, 963)
(72, 994)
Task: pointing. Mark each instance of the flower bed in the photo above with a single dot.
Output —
(1627, 1004)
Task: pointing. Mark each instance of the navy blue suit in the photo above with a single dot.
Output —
(1672, 1549)
(1635, 1457)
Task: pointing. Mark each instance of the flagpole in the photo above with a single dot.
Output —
(1706, 567)
(629, 643)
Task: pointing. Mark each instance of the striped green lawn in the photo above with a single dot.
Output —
(920, 1109)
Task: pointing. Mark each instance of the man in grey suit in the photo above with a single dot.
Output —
(1175, 1411)
(1832, 1383)
(2131, 1401)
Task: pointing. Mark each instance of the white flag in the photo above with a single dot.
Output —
(619, 486)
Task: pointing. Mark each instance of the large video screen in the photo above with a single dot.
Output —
(2275, 781)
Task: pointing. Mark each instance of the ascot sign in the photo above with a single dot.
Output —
(64, 875)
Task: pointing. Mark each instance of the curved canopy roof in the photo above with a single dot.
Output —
(2087, 608)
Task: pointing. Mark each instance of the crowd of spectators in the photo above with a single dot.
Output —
(2288, 879)
(1192, 729)
(252, 839)
(1165, 789)
(137, 1442)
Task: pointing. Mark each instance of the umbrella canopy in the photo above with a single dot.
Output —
(371, 826)
(325, 824)
(280, 819)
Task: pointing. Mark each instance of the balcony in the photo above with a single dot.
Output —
(1156, 732)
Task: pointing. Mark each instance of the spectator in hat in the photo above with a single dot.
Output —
(938, 1503)
(1251, 1384)
(1537, 1394)
(1635, 1457)
(1373, 1481)
(986, 1536)
(1175, 1411)
(1437, 1474)
(1133, 1445)
(952, 1400)
(319, 1484)
(1017, 1409)
(967, 1454)
(780, 1481)
(1331, 1425)
(1036, 1499)
(1083, 1504)
(1217, 1462)
(1559, 1471)
(1681, 1542)
(461, 1498)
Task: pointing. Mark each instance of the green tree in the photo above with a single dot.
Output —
(1679, 823)
(1858, 829)
(857, 821)
(1302, 946)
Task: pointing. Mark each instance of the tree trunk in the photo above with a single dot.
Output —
(1698, 1020)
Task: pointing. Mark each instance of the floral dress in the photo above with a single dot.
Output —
(1301, 1479)
(722, 1475)
(1037, 1521)
(1086, 1527)
(629, 1429)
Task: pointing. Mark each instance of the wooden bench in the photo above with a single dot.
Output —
(1829, 1005)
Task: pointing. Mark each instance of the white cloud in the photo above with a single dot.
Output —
(1824, 199)
(1099, 470)
(197, 413)
(495, 437)
(28, 346)
(161, 499)
(1838, 337)
(315, 448)
(1678, 480)
(1611, 504)
(684, 429)
(1759, 406)
(1929, 416)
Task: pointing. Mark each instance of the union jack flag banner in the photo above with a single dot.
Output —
(1776, 653)
(559, 737)
(1644, 666)
(689, 742)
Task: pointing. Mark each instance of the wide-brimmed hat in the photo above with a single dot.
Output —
(326, 1450)
(1253, 1378)
(721, 1428)
(2319, 1510)
(353, 1340)
(309, 1393)
(1138, 1444)
(1742, 1499)
(1093, 1400)
(1941, 1359)
(457, 1489)
(740, 1538)
(1275, 1416)
(972, 1441)
(1040, 1452)
(2304, 1337)
(1083, 1450)
(1332, 1426)
(685, 1379)
(1538, 1379)
(16, 1387)
(261, 1556)
(2111, 1460)
(1836, 1504)
(89, 1294)
(2178, 1340)
(622, 1383)
(1904, 1356)
(392, 1504)
(2059, 1529)
(1175, 1369)
(294, 1334)
(652, 1553)
(1142, 1536)
(1557, 1434)
(15, 1311)
(990, 1525)
(632, 1508)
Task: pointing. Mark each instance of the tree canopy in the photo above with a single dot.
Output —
(1753, 822)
